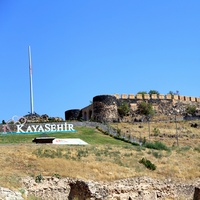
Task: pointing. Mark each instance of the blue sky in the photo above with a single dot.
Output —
(84, 48)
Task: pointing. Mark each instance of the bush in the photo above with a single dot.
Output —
(57, 176)
(145, 109)
(197, 149)
(156, 145)
(157, 154)
(39, 178)
(147, 163)
(191, 109)
(156, 131)
(123, 109)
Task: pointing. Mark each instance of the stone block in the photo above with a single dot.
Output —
(187, 98)
(133, 106)
(124, 96)
(131, 96)
(146, 96)
(168, 96)
(154, 96)
(139, 96)
(175, 97)
(192, 98)
(155, 107)
(198, 99)
(181, 98)
(117, 96)
(161, 96)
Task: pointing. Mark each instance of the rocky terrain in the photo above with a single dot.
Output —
(41, 118)
(138, 188)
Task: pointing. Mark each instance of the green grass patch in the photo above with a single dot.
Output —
(183, 149)
(89, 135)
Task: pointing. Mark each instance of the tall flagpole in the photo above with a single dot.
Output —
(31, 81)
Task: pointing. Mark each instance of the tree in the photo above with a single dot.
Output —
(153, 92)
(142, 92)
(146, 109)
(174, 93)
(123, 109)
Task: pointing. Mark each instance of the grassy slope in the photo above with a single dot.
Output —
(104, 159)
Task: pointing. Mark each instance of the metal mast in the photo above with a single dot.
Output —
(31, 81)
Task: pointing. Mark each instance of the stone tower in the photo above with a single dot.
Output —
(105, 108)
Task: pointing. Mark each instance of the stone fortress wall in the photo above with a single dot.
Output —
(158, 97)
(105, 107)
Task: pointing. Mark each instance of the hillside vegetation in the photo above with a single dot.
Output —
(105, 158)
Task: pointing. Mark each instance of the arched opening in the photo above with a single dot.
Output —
(85, 116)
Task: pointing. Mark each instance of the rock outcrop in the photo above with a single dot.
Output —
(36, 118)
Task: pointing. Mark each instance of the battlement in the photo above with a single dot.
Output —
(157, 97)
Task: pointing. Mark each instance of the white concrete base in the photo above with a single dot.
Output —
(69, 141)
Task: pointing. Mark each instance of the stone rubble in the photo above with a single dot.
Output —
(137, 188)
(6, 194)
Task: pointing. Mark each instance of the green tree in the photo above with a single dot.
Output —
(153, 92)
(146, 109)
(174, 93)
(123, 109)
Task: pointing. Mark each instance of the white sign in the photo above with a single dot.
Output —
(70, 141)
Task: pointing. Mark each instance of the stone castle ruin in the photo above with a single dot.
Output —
(104, 108)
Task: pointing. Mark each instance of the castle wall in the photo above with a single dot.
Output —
(105, 107)
(87, 112)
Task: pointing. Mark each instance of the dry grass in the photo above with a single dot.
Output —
(105, 162)
(19, 161)
(187, 135)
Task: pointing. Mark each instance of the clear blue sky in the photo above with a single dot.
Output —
(84, 48)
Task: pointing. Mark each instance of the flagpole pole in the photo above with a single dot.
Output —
(31, 81)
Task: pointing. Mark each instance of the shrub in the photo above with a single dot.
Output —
(56, 176)
(147, 163)
(39, 178)
(157, 154)
(156, 131)
(191, 109)
(156, 145)
(123, 109)
(145, 109)
(197, 149)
